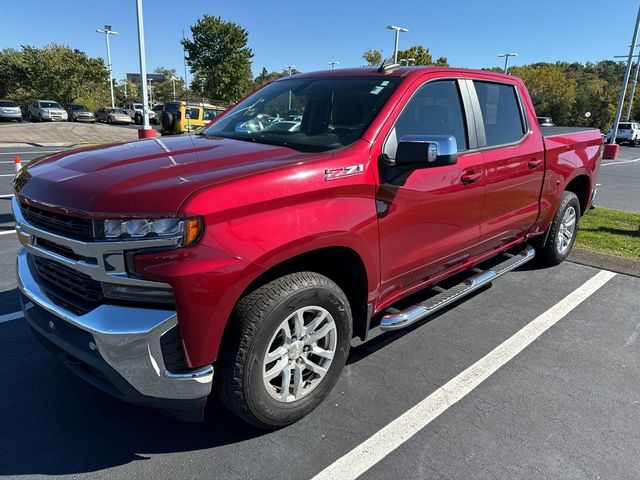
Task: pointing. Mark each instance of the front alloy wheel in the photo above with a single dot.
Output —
(299, 354)
(286, 346)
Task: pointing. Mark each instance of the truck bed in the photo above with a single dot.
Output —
(554, 131)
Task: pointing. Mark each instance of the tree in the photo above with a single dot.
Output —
(373, 57)
(266, 77)
(55, 72)
(219, 54)
(552, 93)
(421, 56)
(163, 91)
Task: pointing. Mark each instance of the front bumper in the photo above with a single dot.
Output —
(10, 116)
(116, 348)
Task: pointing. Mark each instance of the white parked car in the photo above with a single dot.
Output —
(134, 110)
(628, 132)
(40, 110)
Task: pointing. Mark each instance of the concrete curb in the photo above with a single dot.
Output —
(626, 266)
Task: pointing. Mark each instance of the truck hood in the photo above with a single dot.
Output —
(147, 177)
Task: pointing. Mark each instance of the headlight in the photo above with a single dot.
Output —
(187, 230)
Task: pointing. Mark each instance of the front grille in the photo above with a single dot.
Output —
(68, 288)
(65, 225)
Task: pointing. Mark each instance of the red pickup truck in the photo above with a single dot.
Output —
(318, 208)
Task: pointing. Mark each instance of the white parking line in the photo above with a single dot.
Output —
(28, 153)
(385, 441)
(7, 175)
(7, 232)
(8, 195)
(616, 162)
(11, 316)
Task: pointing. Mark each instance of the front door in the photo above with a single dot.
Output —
(429, 221)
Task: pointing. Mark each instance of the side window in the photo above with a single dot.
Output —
(434, 109)
(501, 113)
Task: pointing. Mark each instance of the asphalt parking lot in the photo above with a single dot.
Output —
(536, 376)
(620, 181)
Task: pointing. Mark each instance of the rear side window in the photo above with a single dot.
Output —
(172, 108)
(435, 109)
(501, 113)
(192, 113)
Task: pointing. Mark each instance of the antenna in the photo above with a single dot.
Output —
(388, 65)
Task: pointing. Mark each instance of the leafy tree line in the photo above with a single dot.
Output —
(221, 64)
(54, 72)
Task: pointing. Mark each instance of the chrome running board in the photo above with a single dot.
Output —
(410, 315)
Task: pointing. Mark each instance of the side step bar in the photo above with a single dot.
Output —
(410, 315)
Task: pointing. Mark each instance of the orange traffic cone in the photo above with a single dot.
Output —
(17, 162)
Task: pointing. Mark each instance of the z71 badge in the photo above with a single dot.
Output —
(335, 173)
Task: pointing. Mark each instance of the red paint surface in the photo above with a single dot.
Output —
(264, 204)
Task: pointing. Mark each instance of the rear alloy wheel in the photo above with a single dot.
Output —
(563, 230)
(288, 343)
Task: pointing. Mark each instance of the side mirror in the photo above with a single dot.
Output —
(426, 151)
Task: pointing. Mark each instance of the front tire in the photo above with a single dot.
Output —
(563, 231)
(288, 344)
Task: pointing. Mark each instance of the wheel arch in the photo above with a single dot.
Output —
(581, 186)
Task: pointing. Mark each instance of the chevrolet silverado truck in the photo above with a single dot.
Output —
(260, 253)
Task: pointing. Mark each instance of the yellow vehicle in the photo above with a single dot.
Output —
(187, 116)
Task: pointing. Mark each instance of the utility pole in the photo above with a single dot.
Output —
(397, 34)
(290, 68)
(124, 84)
(634, 84)
(143, 132)
(625, 81)
(107, 32)
(506, 60)
(173, 81)
(333, 63)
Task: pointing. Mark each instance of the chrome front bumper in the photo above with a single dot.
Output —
(127, 339)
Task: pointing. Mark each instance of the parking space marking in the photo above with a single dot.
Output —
(11, 316)
(28, 153)
(392, 436)
(7, 232)
(7, 174)
(616, 162)
(9, 195)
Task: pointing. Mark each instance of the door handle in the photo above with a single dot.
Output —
(534, 162)
(470, 177)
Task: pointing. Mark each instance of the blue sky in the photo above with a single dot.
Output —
(310, 33)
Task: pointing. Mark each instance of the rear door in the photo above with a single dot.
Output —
(429, 220)
(513, 163)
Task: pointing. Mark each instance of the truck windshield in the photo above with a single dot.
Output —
(321, 113)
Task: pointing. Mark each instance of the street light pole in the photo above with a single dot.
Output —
(173, 81)
(143, 73)
(290, 68)
(107, 32)
(333, 63)
(625, 82)
(506, 60)
(397, 34)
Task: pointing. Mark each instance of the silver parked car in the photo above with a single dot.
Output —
(80, 113)
(9, 110)
(113, 115)
(39, 110)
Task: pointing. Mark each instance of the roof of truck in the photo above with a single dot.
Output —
(396, 72)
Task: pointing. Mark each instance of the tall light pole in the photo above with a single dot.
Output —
(108, 32)
(333, 63)
(124, 84)
(290, 68)
(146, 130)
(625, 81)
(506, 60)
(397, 34)
(173, 81)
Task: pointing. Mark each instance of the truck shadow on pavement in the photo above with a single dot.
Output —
(55, 424)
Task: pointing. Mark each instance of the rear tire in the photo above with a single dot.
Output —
(287, 345)
(563, 231)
